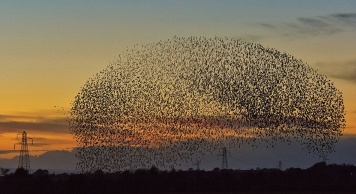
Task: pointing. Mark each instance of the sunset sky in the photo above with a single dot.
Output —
(49, 49)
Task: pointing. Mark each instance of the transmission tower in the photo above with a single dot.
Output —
(224, 158)
(197, 162)
(324, 157)
(24, 159)
(280, 165)
(2, 172)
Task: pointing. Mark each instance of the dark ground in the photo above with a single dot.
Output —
(320, 178)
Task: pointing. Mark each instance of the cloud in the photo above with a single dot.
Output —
(347, 18)
(41, 141)
(8, 124)
(348, 136)
(249, 37)
(41, 144)
(313, 22)
(340, 70)
(265, 25)
(8, 151)
(17, 151)
(313, 26)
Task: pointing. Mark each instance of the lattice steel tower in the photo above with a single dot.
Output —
(224, 158)
(197, 162)
(280, 165)
(324, 157)
(24, 159)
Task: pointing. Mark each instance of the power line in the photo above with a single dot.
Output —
(244, 161)
(209, 161)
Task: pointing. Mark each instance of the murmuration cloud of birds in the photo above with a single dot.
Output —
(165, 103)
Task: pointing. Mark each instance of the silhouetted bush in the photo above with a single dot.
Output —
(41, 173)
(20, 172)
(318, 178)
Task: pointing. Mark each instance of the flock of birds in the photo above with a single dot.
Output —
(165, 103)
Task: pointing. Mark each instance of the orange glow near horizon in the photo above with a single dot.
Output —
(48, 129)
(60, 138)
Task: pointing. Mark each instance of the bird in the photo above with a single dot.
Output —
(168, 102)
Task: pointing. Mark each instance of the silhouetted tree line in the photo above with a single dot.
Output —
(318, 178)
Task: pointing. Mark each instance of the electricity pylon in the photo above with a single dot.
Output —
(24, 159)
(324, 157)
(197, 162)
(280, 165)
(224, 164)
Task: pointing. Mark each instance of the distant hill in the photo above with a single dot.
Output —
(241, 158)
